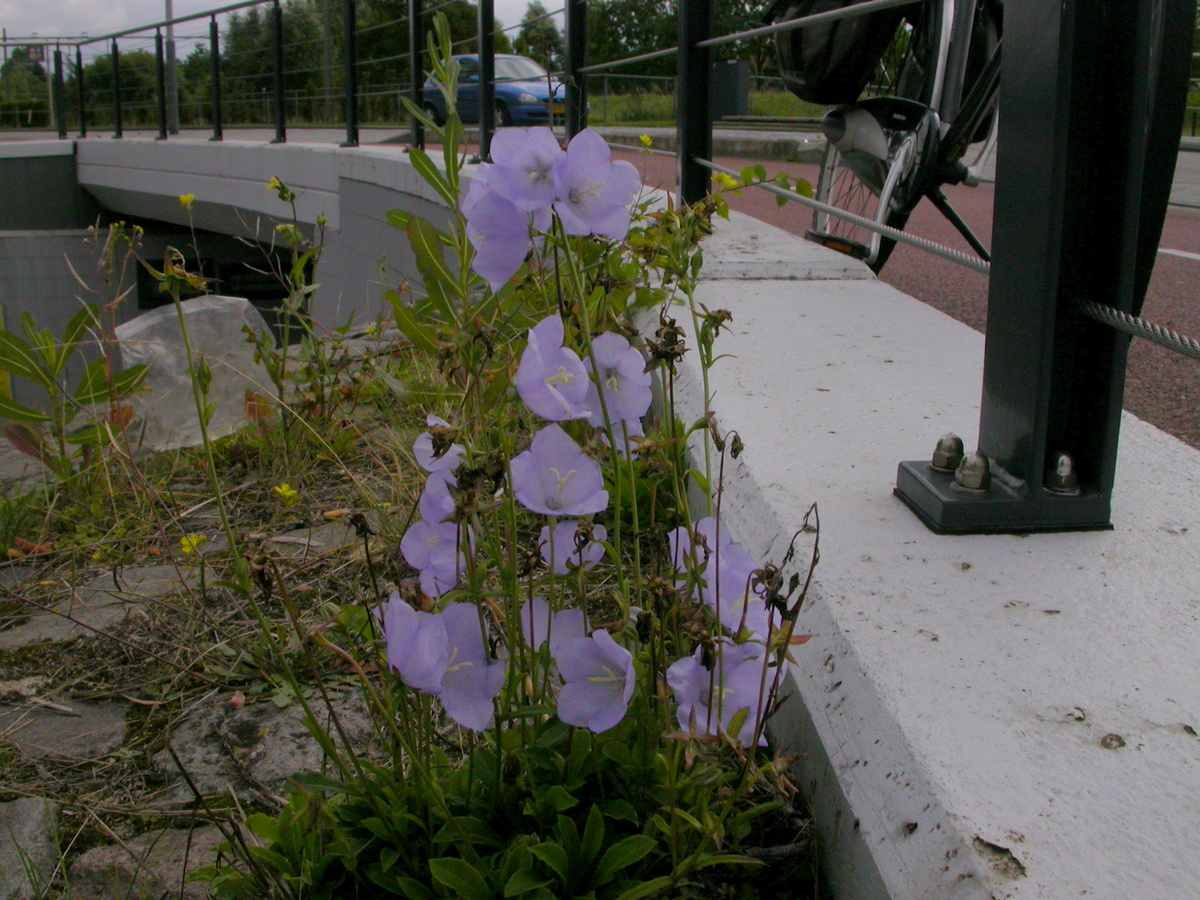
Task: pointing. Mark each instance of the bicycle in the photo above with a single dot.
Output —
(935, 66)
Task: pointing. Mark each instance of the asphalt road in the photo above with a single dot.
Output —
(1162, 387)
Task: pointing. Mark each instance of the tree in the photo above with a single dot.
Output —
(539, 38)
(21, 78)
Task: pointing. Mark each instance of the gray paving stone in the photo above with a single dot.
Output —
(255, 748)
(28, 847)
(149, 867)
(89, 731)
(100, 605)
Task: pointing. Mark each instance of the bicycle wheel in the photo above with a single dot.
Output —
(841, 184)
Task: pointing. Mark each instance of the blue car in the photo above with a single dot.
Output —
(525, 94)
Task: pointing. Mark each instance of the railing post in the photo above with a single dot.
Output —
(576, 59)
(487, 78)
(160, 77)
(280, 106)
(116, 82)
(214, 49)
(692, 113)
(60, 113)
(1090, 138)
(351, 64)
(416, 68)
(82, 92)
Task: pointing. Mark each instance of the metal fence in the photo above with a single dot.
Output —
(1078, 209)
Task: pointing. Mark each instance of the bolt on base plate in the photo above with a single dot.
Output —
(1011, 506)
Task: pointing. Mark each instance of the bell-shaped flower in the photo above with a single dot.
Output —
(594, 193)
(472, 679)
(599, 678)
(436, 503)
(562, 549)
(501, 234)
(428, 458)
(416, 644)
(539, 625)
(691, 548)
(551, 379)
(710, 700)
(620, 374)
(556, 478)
(433, 549)
(627, 435)
(727, 586)
(523, 170)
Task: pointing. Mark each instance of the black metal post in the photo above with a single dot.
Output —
(575, 59)
(60, 112)
(1091, 135)
(416, 68)
(487, 78)
(350, 14)
(160, 75)
(280, 105)
(116, 83)
(692, 113)
(82, 93)
(214, 49)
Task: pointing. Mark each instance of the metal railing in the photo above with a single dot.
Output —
(1078, 210)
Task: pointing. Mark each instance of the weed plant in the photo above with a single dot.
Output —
(567, 662)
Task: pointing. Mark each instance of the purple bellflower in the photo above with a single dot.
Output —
(523, 170)
(594, 193)
(416, 644)
(620, 372)
(551, 379)
(423, 450)
(471, 679)
(500, 232)
(436, 503)
(443, 654)
(627, 433)
(556, 478)
(706, 705)
(599, 680)
(539, 625)
(433, 550)
(561, 551)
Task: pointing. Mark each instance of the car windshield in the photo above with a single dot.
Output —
(518, 68)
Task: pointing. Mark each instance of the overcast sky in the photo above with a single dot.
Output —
(70, 18)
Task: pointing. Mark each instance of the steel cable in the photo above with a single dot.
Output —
(1130, 324)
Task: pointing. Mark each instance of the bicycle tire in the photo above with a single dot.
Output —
(839, 186)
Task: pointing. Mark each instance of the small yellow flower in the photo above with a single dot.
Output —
(645, 139)
(370, 329)
(274, 184)
(190, 543)
(726, 181)
(186, 200)
(286, 493)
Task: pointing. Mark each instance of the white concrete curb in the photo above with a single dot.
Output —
(955, 708)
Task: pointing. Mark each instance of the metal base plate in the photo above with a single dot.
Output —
(1010, 507)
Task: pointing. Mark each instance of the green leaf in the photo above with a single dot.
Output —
(726, 859)
(560, 798)
(27, 441)
(130, 380)
(17, 358)
(523, 881)
(470, 829)
(93, 387)
(593, 837)
(555, 857)
(88, 317)
(397, 217)
(622, 854)
(406, 321)
(426, 244)
(414, 890)
(460, 877)
(11, 409)
(434, 178)
(647, 889)
(266, 827)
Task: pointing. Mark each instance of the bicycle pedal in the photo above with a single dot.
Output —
(840, 244)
